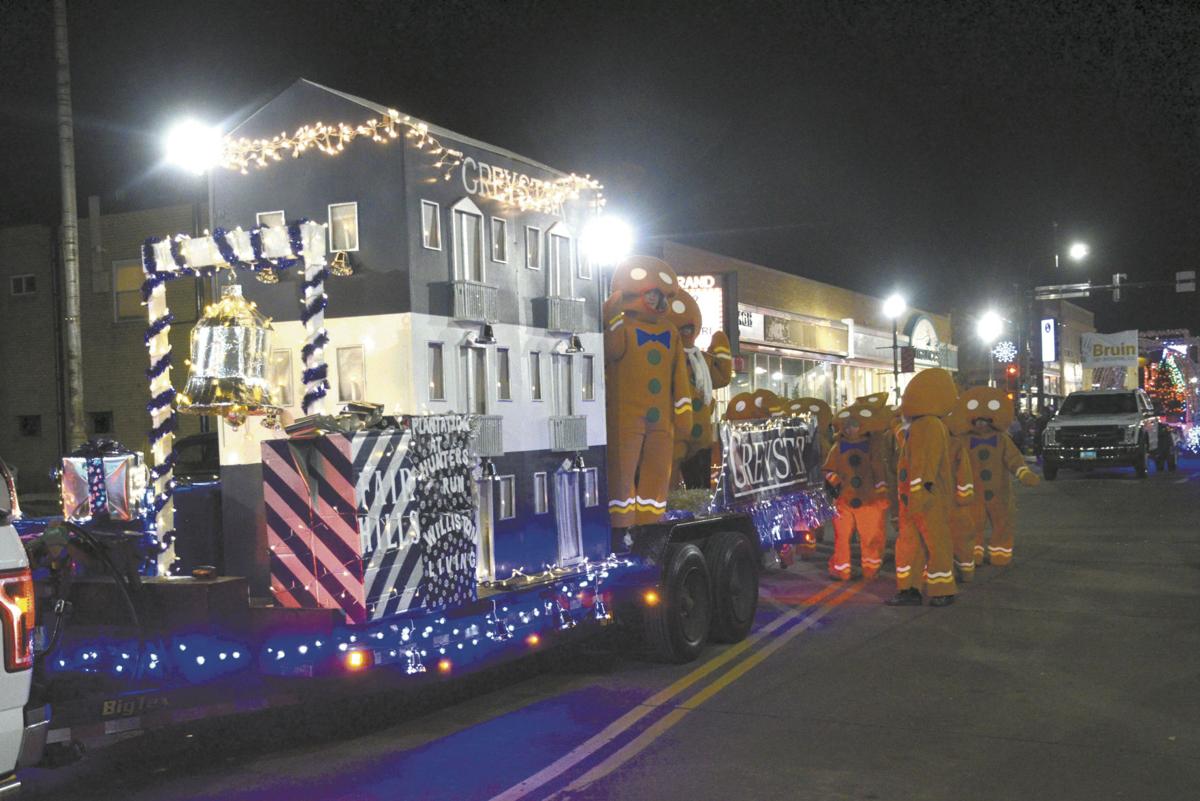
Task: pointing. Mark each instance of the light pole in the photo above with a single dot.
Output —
(893, 307)
(988, 329)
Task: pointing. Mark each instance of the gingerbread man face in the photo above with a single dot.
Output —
(987, 403)
(747, 406)
(814, 406)
(930, 392)
(874, 400)
(684, 314)
(865, 419)
(646, 287)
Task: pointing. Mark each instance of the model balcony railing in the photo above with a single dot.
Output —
(487, 436)
(568, 433)
(474, 301)
(564, 315)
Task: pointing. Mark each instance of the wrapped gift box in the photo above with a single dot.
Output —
(369, 523)
(103, 479)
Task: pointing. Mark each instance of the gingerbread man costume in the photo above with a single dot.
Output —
(707, 371)
(861, 492)
(649, 395)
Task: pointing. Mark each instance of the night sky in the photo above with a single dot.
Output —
(927, 147)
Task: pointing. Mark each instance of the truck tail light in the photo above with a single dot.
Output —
(16, 609)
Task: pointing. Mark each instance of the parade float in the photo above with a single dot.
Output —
(435, 499)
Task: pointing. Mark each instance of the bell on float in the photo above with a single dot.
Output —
(230, 344)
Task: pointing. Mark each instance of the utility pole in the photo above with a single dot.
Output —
(77, 434)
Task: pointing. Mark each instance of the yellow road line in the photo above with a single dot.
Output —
(653, 732)
(622, 724)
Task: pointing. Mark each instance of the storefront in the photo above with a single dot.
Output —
(801, 338)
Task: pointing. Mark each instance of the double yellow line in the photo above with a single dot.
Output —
(621, 725)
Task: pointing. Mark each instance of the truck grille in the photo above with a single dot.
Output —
(1091, 435)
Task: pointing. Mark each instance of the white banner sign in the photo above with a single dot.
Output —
(1111, 350)
(1049, 343)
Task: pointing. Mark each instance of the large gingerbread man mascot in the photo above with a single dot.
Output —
(649, 395)
(861, 492)
(924, 554)
(966, 513)
(708, 370)
(995, 460)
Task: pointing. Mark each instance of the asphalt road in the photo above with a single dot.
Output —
(1073, 674)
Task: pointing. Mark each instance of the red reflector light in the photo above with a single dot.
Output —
(533, 640)
(444, 666)
(357, 660)
(16, 609)
(650, 597)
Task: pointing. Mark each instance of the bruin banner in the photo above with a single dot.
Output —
(764, 460)
(1119, 349)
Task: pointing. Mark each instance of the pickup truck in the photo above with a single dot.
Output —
(18, 735)
(1106, 427)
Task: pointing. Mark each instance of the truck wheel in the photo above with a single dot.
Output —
(734, 575)
(677, 626)
(1140, 462)
(1049, 470)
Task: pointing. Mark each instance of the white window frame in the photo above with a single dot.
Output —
(329, 219)
(562, 366)
(503, 239)
(583, 265)
(587, 377)
(437, 224)
(536, 263)
(541, 493)
(25, 292)
(593, 498)
(465, 206)
(285, 397)
(343, 396)
(537, 390)
(258, 218)
(554, 273)
(504, 397)
(441, 348)
(469, 355)
(511, 482)
(117, 264)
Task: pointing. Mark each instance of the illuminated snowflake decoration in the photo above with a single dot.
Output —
(1005, 351)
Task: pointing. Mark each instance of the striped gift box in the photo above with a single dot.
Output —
(362, 523)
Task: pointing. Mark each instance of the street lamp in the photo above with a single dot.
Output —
(988, 329)
(193, 146)
(893, 307)
(606, 240)
(1078, 251)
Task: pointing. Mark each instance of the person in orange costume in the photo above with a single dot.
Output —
(994, 459)
(861, 498)
(649, 395)
(966, 514)
(925, 485)
(804, 407)
(707, 371)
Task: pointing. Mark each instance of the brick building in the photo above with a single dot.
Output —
(32, 424)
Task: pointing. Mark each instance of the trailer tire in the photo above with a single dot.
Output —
(676, 628)
(731, 564)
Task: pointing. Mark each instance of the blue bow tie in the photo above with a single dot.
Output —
(663, 338)
(855, 446)
(977, 441)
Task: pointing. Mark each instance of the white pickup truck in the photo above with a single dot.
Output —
(17, 736)
(1106, 427)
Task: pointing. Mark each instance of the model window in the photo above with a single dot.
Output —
(503, 384)
(279, 376)
(127, 290)
(559, 248)
(541, 498)
(589, 377)
(500, 240)
(468, 245)
(271, 219)
(535, 376)
(533, 247)
(508, 497)
(24, 285)
(591, 487)
(474, 376)
(564, 384)
(351, 374)
(437, 373)
(343, 226)
(585, 266)
(431, 225)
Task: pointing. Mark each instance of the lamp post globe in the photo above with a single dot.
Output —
(606, 240)
(193, 146)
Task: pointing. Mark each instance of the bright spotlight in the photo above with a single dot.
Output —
(894, 306)
(193, 146)
(1078, 251)
(606, 240)
(989, 327)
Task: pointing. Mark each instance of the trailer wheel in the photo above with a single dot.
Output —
(731, 565)
(677, 626)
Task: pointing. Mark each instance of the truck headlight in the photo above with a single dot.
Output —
(1132, 433)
